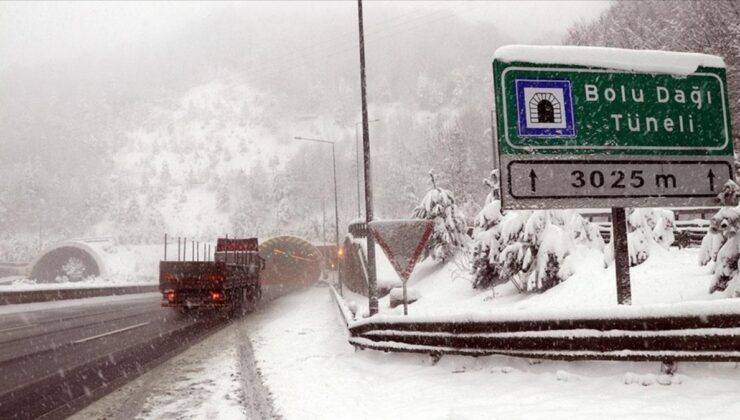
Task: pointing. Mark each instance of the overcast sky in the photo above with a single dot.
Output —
(36, 32)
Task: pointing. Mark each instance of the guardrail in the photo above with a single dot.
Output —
(686, 232)
(634, 334)
(353, 266)
(29, 296)
(341, 306)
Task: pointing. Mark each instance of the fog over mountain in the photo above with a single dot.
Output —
(130, 120)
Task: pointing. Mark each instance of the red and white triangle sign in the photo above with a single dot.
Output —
(403, 241)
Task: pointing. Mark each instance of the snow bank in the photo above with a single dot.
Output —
(644, 61)
(22, 284)
(669, 283)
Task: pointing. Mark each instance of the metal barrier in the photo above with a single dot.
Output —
(705, 336)
(353, 267)
(686, 233)
(341, 306)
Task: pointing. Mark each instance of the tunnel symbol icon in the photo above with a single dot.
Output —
(545, 108)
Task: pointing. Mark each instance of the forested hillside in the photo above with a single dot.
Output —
(210, 151)
(198, 141)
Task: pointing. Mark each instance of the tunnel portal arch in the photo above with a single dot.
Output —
(48, 266)
(290, 263)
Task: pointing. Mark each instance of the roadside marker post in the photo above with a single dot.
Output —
(403, 242)
(585, 127)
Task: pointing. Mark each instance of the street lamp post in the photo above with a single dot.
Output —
(336, 206)
(357, 164)
(372, 281)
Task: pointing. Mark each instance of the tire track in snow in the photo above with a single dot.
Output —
(257, 398)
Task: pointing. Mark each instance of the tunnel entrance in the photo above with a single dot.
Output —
(64, 263)
(290, 263)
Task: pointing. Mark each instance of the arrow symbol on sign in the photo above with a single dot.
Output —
(711, 180)
(532, 178)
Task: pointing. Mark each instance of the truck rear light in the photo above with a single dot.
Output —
(170, 295)
(215, 277)
(217, 296)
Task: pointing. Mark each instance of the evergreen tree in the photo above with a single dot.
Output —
(722, 244)
(486, 268)
(647, 228)
(223, 196)
(449, 233)
(74, 269)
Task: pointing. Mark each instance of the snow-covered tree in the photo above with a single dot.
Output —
(646, 229)
(449, 233)
(536, 244)
(722, 227)
(528, 247)
(487, 238)
(133, 212)
(223, 196)
(721, 244)
(74, 269)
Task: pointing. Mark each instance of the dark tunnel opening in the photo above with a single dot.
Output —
(74, 263)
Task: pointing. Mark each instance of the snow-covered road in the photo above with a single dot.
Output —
(214, 379)
(301, 348)
(302, 356)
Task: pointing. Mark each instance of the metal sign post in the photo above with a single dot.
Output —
(597, 127)
(403, 242)
(621, 256)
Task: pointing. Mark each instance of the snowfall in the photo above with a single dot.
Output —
(309, 371)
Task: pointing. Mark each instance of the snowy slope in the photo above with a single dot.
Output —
(668, 279)
(174, 162)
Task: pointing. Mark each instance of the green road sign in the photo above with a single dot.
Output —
(597, 127)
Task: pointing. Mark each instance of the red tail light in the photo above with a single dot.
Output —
(170, 295)
(217, 296)
(215, 277)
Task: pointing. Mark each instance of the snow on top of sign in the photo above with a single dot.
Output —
(647, 61)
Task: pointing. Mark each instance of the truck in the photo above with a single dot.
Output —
(229, 282)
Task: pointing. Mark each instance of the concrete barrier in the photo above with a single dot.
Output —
(29, 296)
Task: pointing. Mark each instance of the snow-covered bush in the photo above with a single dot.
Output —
(659, 222)
(583, 232)
(545, 240)
(548, 245)
(449, 233)
(527, 247)
(646, 228)
(722, 244)
(551, 253)
(722, 226)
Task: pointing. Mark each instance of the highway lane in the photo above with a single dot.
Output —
(55, 358)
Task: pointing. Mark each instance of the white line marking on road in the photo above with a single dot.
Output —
(18, 327)
(110, 333)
